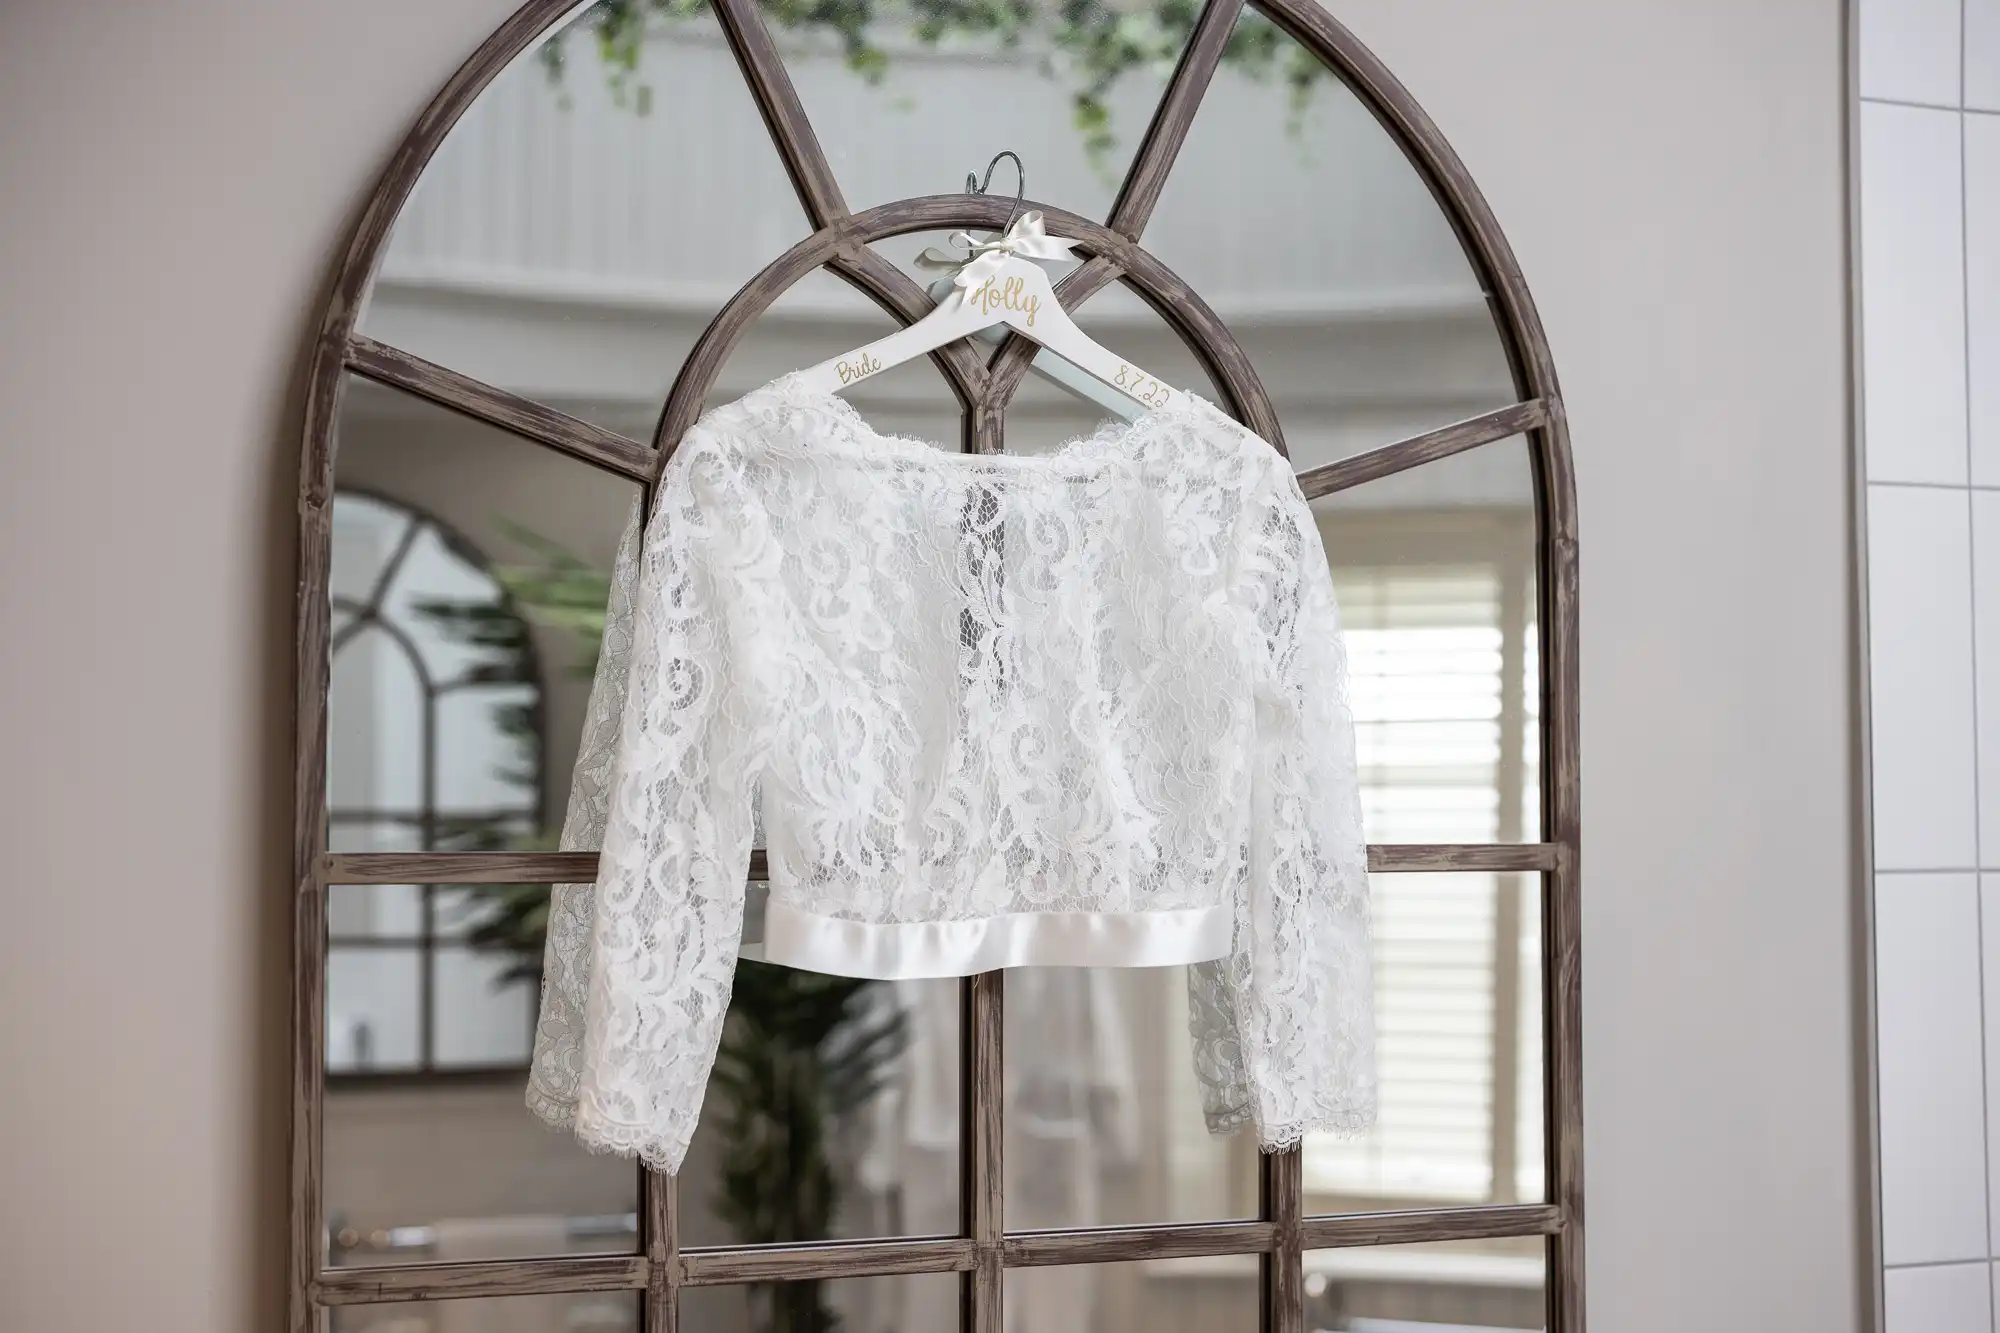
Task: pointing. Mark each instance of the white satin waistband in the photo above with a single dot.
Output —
(904, 949)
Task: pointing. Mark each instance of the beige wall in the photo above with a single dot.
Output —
(175, 178)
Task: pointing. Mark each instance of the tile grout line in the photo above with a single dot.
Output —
(1910, 104)
(1937, 1263)
(1936, 485)
(1936, 870)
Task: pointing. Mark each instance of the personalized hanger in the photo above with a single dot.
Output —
(997, 284)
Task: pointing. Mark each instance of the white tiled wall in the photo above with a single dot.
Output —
(1937, 1300)
(1928, 1027)
(1929, 181)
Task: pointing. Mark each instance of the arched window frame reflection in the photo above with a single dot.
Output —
(436, 827)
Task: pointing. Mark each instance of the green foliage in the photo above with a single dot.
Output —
(562, 591)
(565, 592)
(513, 919)
(799, 1052)
(509, 657)
(1087, 44)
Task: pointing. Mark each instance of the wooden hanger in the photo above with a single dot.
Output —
(996, 284)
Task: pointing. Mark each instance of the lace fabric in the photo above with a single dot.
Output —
(557, 1064)
(1097, 684)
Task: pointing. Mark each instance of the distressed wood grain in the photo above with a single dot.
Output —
(496, 407)
(1386, 461)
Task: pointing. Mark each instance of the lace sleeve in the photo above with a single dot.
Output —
(676, 849)
(1284, 1027)
(566, 954)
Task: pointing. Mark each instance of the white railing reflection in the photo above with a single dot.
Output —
(559, 192)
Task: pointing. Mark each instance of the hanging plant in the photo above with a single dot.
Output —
(1088, 45)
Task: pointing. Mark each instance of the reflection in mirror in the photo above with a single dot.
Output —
(832, 1112)
(430, 1153)
(1434, 570)
(1103, 1115)
(591, 1312)
(922, 1303)
(1216, 1294)
(1460, 1286)
(1296, 216)
(468, 581)
(907, 99)
(469, 577)
(431, 978)
(575, 232)
(435, 685)
(1458, 987)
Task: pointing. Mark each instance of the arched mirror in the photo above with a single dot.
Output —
(619, 213)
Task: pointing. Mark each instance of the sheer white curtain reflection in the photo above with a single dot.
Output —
(1071, 1114)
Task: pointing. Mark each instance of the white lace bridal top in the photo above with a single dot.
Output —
(1085, 708)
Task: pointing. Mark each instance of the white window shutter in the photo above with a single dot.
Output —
(1424, 650)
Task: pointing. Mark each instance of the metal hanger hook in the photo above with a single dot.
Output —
(974, 185)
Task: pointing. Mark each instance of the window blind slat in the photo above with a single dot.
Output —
(1424, 652)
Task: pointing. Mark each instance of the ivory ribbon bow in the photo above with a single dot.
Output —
(1025, 239)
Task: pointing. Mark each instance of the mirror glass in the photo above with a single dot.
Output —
(1434, 570)
(1217, 1294)
(469, 575)
(588, 215)
(1458, 1017)
(1299, 220)
(1103, 1114)
(832, 1112)
(594, 1312)
(435, 686)
(467, 569)
(907, 99)
(431, 1154)
(916, 1303)
(431, 978)
(1463, 1286)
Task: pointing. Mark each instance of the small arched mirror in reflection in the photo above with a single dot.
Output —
(436, 691)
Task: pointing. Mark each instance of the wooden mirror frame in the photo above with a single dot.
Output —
(983, 1250)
